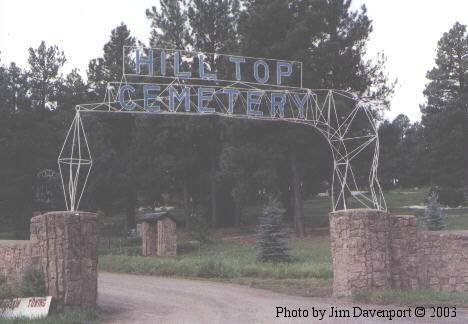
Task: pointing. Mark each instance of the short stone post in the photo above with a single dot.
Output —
(167, 238)
(360, 244)
(158, 234)
(149, 237)
(67, 243)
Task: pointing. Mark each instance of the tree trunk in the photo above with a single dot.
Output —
(465, 136)
(290, 204)
(297, 196)
(464, 104)
(130, 211)
(465, 140)
(187, 209)
(238, 214)
(214, 218)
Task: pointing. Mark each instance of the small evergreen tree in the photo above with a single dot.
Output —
(272, 241)
(434, 216)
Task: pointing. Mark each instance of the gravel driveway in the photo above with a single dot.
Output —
(149, 299)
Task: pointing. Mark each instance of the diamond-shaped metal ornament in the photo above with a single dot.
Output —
(74, 163)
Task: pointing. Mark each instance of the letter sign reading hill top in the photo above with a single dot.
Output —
(153, 62)
(187, 68)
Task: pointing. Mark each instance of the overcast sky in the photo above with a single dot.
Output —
(407, 32)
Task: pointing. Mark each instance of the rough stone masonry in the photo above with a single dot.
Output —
(374, 250)
(63, 245)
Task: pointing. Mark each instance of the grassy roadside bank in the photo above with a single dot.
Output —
(76, 316)
(309, 274)
(412, 298)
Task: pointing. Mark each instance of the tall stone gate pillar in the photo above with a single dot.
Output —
(360, 244)
(67, 245)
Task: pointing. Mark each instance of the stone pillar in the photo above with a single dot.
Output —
(149, 238)
(67, 242)
(167, 238)
(360, 244)
(404, 249)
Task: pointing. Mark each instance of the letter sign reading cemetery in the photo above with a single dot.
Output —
(237, 81)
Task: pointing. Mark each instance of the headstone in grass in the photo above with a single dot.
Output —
(434, 215)
(272, 240)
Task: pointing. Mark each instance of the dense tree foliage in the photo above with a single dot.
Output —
(403, 153)
(208, 164)
(168, 25)
(44, 79)
(445, 115)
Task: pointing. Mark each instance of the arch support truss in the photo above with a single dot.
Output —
(346, 122)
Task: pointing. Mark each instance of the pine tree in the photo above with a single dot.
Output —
(272, 243)
(213, 26)
(45, 64)
(445, 115)
(169, 25)
(434, 216)
(73, 91)
(213, 30)
(109, 67)
(14, 88)
(114, 188)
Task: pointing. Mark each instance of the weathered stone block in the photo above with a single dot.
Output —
(159, 236)
(66, 255)
(389, 251)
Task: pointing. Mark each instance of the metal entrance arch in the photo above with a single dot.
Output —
(331, 112)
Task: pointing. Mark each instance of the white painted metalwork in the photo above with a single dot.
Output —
(74, 163)
(320, 111)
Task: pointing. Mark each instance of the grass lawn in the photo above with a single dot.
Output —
(78, 316)
(7, 236)
(309, 274)
(412, 298)
(6, 232)
(230, 257)
(316, 210)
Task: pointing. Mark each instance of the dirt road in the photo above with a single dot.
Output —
(147, 299)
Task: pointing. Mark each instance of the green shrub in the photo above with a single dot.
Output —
(199, 227)
(126, 250)
(214, 269)
(450, 197)
(32, 284)
(5, 289)
(188, 246)
(133, 241)
(362, 295)
(250, 271)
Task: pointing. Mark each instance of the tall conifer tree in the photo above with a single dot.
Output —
(445, 115)
(45, 64)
